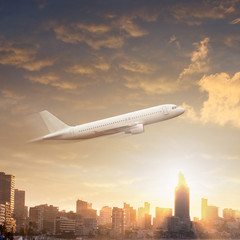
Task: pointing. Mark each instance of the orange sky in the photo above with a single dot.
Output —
(88, 60)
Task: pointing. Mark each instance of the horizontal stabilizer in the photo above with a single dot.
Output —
(53, 124)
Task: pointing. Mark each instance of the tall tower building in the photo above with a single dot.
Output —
(182, 198)
(105, 216)
(130, 217)
(7, 185)
(118, 221)
(20, 210)
(204, 205)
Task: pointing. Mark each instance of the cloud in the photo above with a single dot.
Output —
(110, 35)
(14, 55)
(93, 37)
(223, 103)
(37, 65)
(102, 66)
(52, 80)
(150, 85)
(79, 69)
(136, 66)
(193, 13)
(11, 95)
(199, 60)
(92, 68)
(92, 28)
(190, 113)
(173, 39)
(232, 41)
(235, 21)
(132, 29)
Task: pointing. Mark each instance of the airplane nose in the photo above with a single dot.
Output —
(181, 110)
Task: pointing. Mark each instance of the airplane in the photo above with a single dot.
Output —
(129, 123)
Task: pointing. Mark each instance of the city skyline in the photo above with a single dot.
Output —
(84, 207)
(89, 60)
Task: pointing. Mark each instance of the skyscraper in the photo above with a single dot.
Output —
(7, 184)
(130, 217)
(118, 221)
(143, 213)
(182, 198)
(20, 210)
(105, 216)
(204, 204)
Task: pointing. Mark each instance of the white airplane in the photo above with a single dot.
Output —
(129, 123)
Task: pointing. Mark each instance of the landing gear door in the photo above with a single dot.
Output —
(165, 110)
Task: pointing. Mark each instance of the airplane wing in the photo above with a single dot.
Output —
(132, 129)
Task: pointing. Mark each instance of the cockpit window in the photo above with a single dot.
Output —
(174, 107)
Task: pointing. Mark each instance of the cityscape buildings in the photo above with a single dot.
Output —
(144, 215)
(7, 185)
(105, 217)
(20, 210)
(115, 222)
(182, 198)
(118, 221)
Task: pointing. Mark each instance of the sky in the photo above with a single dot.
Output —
(89, 60)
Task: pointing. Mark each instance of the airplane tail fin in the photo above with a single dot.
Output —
(53, 124)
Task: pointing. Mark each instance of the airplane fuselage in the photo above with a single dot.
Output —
(129, 123)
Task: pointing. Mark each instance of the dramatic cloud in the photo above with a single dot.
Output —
(223, 103)
(94, 37)
(84, 69)
(11, 54)
(193, 13)
(52, 80)
(199, 60)
(136, 66)
(235, 21)
(79, 69)
(132, 29)
(190, 113)
(110, 35)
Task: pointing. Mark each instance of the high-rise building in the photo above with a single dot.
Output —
(105, 216)
(182, 198)
(7, 185)
(228, 213)
(2, 214)
(147, 221)
(118, 221)
(87, 224)
(43, 217)
(204, 204)
(85, 209)
(212, 213)
(142, 212)
(208, 212)
(20, 210)
(81, 205)
(130, 217)
(64, 225)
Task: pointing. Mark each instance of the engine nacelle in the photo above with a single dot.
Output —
(139, 128)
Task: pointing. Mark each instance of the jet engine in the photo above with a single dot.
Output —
(139, 128)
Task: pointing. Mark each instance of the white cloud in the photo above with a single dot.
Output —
(223, 103)
(199, 60)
